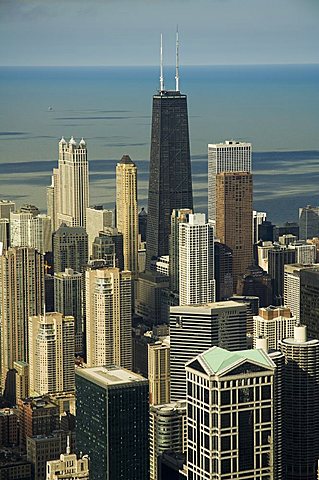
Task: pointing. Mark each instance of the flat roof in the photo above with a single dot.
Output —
(109, 376)
(208, 307)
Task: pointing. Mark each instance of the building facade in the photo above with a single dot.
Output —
(112, 422)
(170, 178)
(234, 196)
(126, 211)
(108, 317)
(275, 324)
(195, 328)
(51, 353)
(230, 419)
(230, 156)
(159, 372)
(70, 185)
(196, 261)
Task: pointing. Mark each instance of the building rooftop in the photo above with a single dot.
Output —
(126, 160)
(230, 143)
(208, 307)
(108, 377)
(217, 359)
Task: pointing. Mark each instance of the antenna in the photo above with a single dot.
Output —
(177, 62)
(161, 66)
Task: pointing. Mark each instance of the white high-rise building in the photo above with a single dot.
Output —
(196, 261)
(27, 230)
(305, 253)
(51, 353)
(230, 415)
(274, 324)
(230, 156)
(258, 219)
(195, 328)
(292, 287)
(108, 317)
(168, 432)
(70, 183)
(97, 218)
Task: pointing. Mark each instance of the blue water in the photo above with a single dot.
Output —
(274, 107)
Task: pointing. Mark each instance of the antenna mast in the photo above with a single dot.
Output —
(177, 62)
(161, 66)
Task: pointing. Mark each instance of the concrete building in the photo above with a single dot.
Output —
(51, 353)
(234, 196)
(126, 211)
(68, 467)
(21, 295)
(161, 265)
(108, 242)
(108, 317)
(14, 467)
(258, 219)
(168, 432)
(112, 422)
(230, 419)
(309, 300)
(97, 218)
(6, 207)
(195, 328)
(278, 257)
(37, 416)
(149, 304)
(22, 379)
(196, 261)
(68, 300)
(9, 436)
(159, 371)
(308, 222)
(4, 234)
(292, 287)
(275, 324)
(27, 230)
(177, 217)
(70, 248)
(223, 266)
(230, 156)
(70, 185)
(300, 405)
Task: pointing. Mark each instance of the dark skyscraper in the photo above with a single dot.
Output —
(170, 178)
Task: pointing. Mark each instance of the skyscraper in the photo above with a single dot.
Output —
(68, 197)
(230, 156)
(97, 218)
(196, 261)
(21, 295)
(308, 222)
(300, 405)
(177, 217)
(234, 197)
(230, 415)
(51, 353)
(70, 248)
(170, 177)
(168, 432)
(309, 300)
(68, 300)
(108, 317)
(195, 328)
(112, 422)
(159, 372)
(278, 257)
(275, 324)
(27, 230)
(126, 211)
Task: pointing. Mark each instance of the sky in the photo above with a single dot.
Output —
(126, 32)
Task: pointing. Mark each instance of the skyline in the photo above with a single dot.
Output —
(212, 32)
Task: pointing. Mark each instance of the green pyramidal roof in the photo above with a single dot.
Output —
(218, 359)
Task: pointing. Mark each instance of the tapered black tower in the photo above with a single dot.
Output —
(170, 176)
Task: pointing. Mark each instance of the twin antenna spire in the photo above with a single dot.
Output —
(176, 65)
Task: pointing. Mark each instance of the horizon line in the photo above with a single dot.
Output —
(169, 65)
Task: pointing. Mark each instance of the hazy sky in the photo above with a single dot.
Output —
(126, 32)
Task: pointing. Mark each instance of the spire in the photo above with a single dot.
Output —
(161, 66)
(177, 62)
(68, 449)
